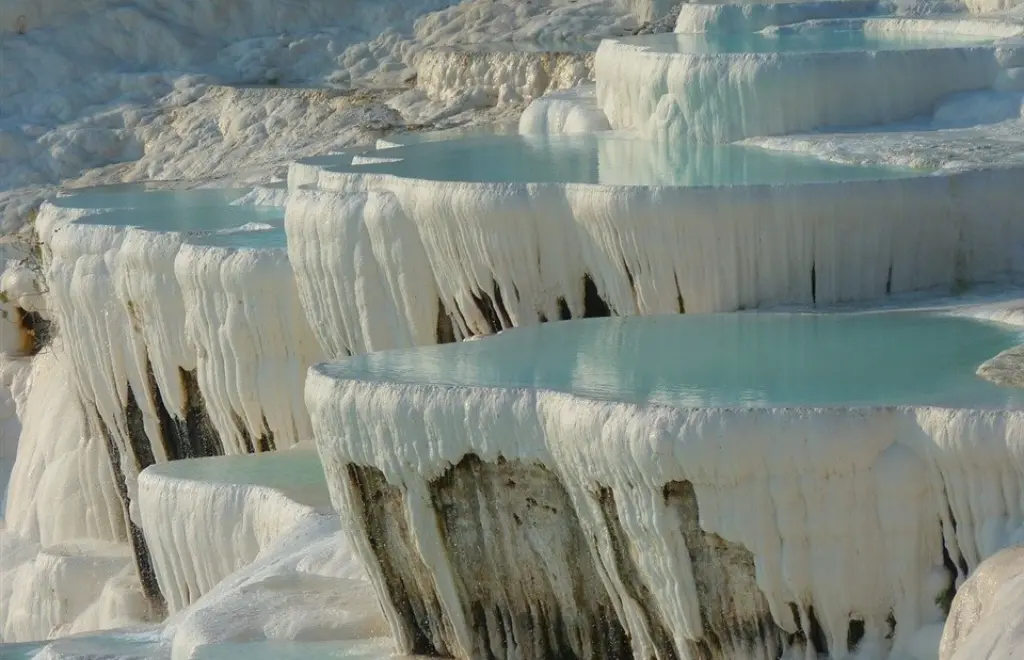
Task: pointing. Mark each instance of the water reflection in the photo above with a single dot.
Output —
(295, 472)
(726, 360)
(186, 218)
(606, 158)
(141, 196)
(265, 237)
(841, 36)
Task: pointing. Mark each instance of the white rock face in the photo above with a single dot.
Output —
(60, 585)
(505, 75)
(65, 564)
(987, 617)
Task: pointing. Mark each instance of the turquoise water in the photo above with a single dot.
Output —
(142, 196)
(20, 651)
(329, 160)
(187, 218)
(125, 644)
(800, 40)
(261, 239)
(728, 360)
(370, 649)
(474, 130)
(295, 472)
(607, 158)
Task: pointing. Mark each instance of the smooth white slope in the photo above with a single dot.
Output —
(987, 618)
(307, 585)
(65, 564)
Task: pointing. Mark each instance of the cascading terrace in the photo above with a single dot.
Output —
(668, 487)
(662, 511)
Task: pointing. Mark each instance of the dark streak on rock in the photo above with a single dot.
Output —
(204, 438)
(192, 437)
(445, 332)
(35, 331)
(594, 306)
(629, 277)
(563, 310)
(492, 306)
(140, 550)
(266, 441)
(628, 574)
(409, 583)
(725, 579)
(854, 633)
(140, 441)
(505, 582)
(250, 448)
(814, 283)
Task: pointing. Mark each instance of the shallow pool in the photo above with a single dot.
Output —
(122, 644)
(144, 196)
(748, 360)
(262, 238)
(295, 472)
(803, 39)
(366, 649)
(188, 218)
(607, 158)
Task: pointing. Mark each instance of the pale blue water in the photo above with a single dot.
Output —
(143, 196)
(475, 130)
(20, 651)
(608, 158)
(369, 649)
(257, 239)
(727, 360)
(296, 472)
(800, 40)
(342, 157)
(124, 644)
(187, 218)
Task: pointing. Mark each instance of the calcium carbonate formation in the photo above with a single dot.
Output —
(615, 529)
(503, 254)
(673, 89)
(162, 337)
(606, 529)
